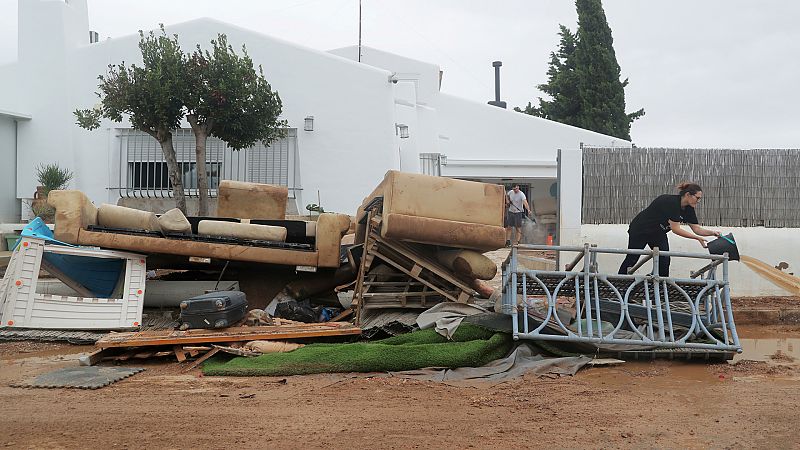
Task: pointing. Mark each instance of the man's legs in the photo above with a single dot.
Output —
(518, 237)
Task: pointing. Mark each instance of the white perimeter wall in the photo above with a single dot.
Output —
(771, 245)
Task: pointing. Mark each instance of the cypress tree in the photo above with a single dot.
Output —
(584, 78)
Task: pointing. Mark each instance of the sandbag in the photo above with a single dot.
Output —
(173, 221)
(272, 346)
(113, 216)
(242, 230)
(468, 263)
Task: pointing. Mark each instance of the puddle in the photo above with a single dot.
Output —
(778, 350)
(767, 344)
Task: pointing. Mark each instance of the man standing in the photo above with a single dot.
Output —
(517, 209)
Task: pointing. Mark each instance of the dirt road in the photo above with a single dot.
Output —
(642, 404)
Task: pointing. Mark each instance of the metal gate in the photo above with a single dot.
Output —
(636, 311)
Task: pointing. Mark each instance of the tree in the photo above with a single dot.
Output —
(584, 78)
(561, 84)
(151, 95)
(228, 99)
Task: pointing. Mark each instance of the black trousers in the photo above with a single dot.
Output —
(638, 241)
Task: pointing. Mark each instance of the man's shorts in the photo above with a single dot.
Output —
(514, 219)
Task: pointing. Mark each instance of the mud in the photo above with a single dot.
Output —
(661, 404)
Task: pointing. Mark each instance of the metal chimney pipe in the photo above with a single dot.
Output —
(497, 102)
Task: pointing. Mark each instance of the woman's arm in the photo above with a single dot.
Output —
(677, 229)
(703, 231)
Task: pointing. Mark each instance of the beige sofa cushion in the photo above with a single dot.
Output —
(442, 232)
(173, 221)
(419, 195)
(468, 263)
(238, 199)
(113, 216)
(241, 230)
(74, 211)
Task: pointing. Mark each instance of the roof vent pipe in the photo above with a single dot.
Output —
(497, 101)
(93, 37)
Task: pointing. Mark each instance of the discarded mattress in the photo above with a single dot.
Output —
(76, 222)
(438, 210)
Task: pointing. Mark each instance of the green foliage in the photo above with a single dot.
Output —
(53, 177)
(235, 101)
(150, 95)
(584, 78)
(44, 211)
(313, 207)
(471, 346)
(219, 92)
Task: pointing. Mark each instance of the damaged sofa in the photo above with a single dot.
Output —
(438, 210)
(270, 239)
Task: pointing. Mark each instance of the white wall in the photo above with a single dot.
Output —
(423, 75)
(771, 245)
(480, 131)
(353, 143)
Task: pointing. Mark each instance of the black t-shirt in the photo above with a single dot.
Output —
(655, 218)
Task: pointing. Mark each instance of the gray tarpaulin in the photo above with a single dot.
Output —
(446, 317)
(524, 359)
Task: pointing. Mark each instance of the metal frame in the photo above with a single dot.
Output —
(708, 304)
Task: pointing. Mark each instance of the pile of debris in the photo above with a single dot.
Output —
(301, 278)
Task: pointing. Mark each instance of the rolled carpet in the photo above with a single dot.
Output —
(471, 346)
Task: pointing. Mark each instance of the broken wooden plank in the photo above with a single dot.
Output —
(97, 356)
(233, 334)
(202, 359)
(346, 313)
(179, 353)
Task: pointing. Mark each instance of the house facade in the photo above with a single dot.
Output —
(349, 122)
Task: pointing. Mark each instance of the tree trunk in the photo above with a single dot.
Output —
(200, 136)
(175, 174)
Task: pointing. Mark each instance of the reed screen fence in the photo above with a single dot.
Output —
(741, 188)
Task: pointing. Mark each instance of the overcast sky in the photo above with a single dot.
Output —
(710, 73)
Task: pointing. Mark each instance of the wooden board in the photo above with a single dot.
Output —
(233, 334)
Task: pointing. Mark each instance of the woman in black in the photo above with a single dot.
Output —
(665, 213)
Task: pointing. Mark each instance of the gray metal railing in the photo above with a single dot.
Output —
(143, 168)
(636, 311)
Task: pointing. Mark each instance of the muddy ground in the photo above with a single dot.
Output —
(664, 404)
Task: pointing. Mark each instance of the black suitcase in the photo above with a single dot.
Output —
(218, 309)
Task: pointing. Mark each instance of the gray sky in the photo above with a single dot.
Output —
(711, 73)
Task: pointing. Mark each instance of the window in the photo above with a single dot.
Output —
(143, 169)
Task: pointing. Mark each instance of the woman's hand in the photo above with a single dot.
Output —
(715, 233)
(702, 242)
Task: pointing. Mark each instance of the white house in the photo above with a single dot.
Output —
(349, 122)
(382, 113)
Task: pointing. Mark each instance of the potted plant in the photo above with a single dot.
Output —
(51, 177)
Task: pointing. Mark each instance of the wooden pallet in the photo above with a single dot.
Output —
(416, 279)
(233, 334)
